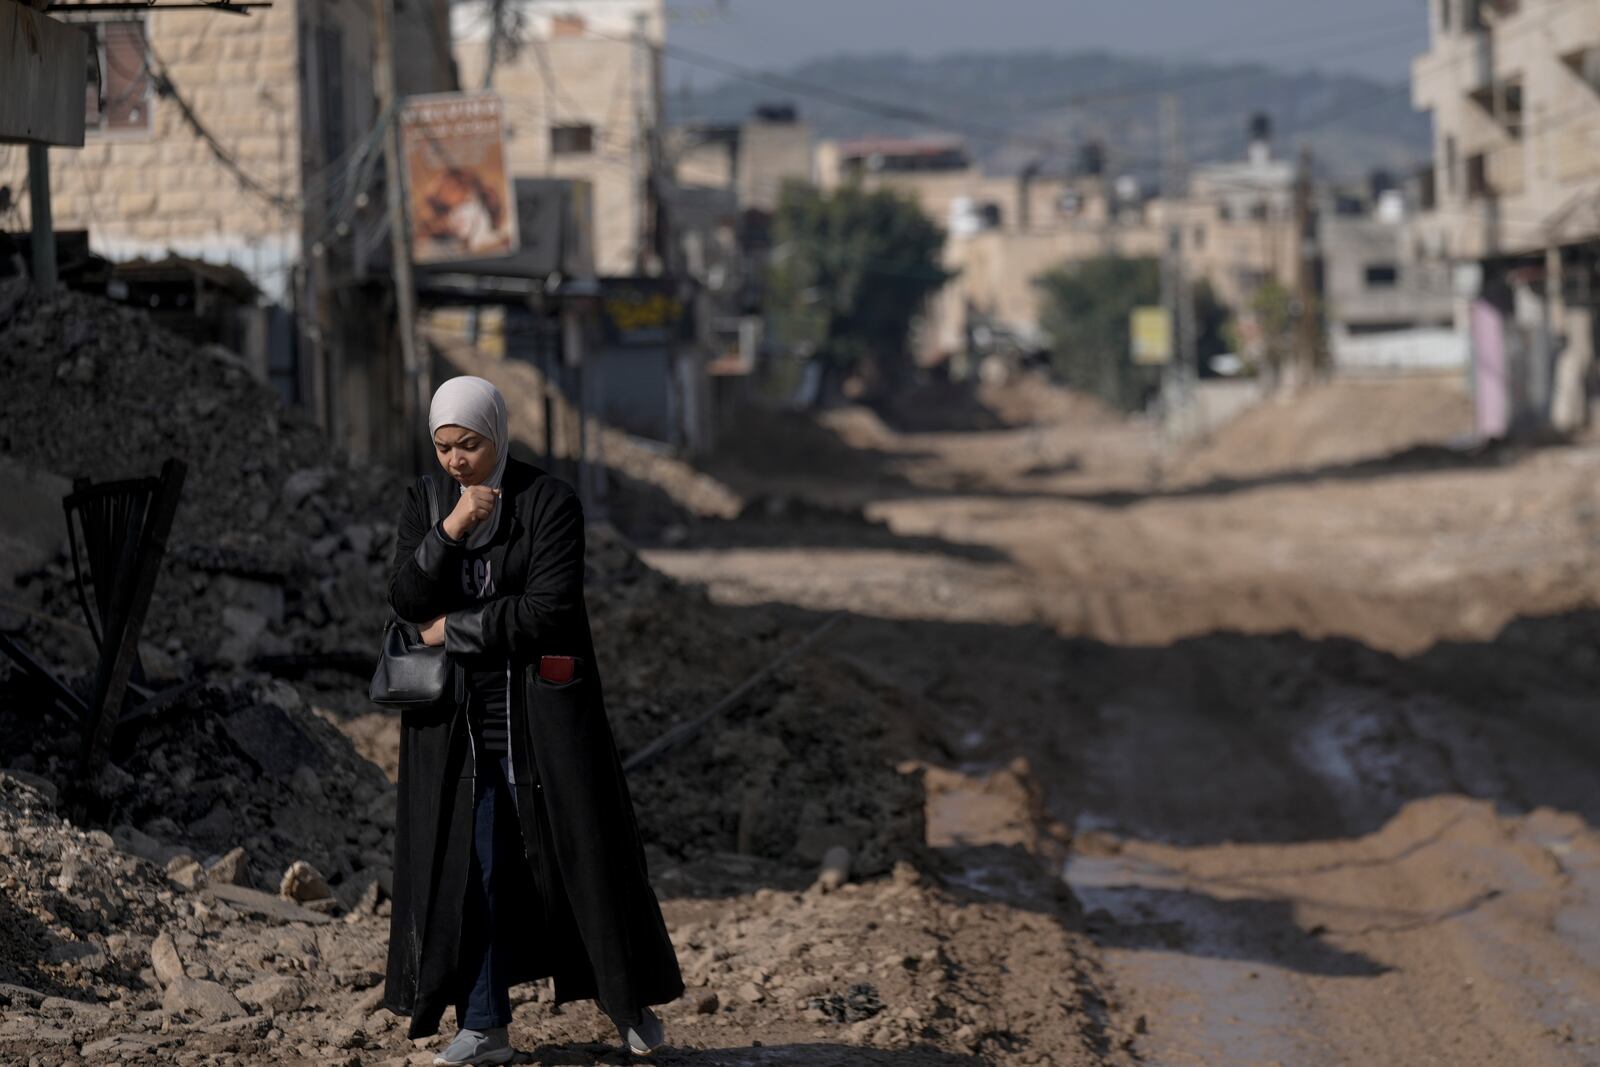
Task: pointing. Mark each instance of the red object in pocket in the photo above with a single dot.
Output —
(557, 669)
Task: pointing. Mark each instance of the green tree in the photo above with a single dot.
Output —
(1086, 308)
(850, 270)
(1263, 334)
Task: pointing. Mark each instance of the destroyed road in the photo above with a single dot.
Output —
(1284, 754)
(1317, 705)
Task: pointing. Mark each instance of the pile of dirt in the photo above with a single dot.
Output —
(71, 902)
(1333, 425)
(249, 826)
(107, 956)
(278, 536)
(1031, 398)
(289, 561)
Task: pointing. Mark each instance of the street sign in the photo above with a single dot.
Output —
(1150, 331)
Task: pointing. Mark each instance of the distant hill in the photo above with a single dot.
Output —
(1015, 107)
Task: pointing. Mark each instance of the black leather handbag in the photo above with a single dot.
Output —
(410, 674)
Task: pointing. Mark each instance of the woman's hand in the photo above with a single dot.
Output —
(433, 633)
(475, 506)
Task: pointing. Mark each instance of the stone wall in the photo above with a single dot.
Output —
(144, 192)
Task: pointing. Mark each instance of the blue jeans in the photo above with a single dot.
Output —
(484, 1002)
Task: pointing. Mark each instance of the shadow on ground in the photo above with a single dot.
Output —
(1414, 460)
(756, 1055)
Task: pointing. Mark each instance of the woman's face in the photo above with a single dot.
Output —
(465, 454)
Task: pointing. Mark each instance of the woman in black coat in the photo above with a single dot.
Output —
(516, 852)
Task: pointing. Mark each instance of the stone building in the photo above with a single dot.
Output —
(250, 141)
(1513, 196)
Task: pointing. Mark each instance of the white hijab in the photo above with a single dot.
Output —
(475, 404)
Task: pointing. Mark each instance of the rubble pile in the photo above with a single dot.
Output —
(280, 549)
(227, 900)
(277, 537)
(73, 903)
(105, 956)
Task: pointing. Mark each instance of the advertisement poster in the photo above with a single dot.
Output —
(457, 182)
(1150, 329)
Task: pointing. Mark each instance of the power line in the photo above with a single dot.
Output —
(248, 181)
(852, 101)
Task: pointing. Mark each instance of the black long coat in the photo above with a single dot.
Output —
(600, 933)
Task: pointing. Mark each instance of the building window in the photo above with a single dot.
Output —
(1444, 16)
(575, 140)
(1427, 193)
(1382, 275)
(1585, 63)
(1502, 101)
(117, 93)
(1449, 163)
(1478, 176)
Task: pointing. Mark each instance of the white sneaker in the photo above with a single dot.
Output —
(476, 1046)
(645, 1038)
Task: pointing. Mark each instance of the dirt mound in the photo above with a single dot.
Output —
(939, 406)
(68, 891)
(1032, 399)
(301, 592)
(278, 537)
(1333, 425)
(269, 774)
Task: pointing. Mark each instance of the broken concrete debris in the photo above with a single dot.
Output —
(241, 824)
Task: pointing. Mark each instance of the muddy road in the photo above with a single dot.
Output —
(1315, 700)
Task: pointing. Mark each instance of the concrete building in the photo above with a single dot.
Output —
(240, 141)
(583, 92)
(1237, 220)
(750, 159)
(1513, 196)
(1387, 308)
(727, 179)
(940, 175)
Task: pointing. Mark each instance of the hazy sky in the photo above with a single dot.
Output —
(1376, 38)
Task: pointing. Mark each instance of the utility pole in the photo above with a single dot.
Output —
(1177, 295)
(1307, 342)
(497, 16)
(417, 386)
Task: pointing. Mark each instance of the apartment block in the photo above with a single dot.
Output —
(1513, 196)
